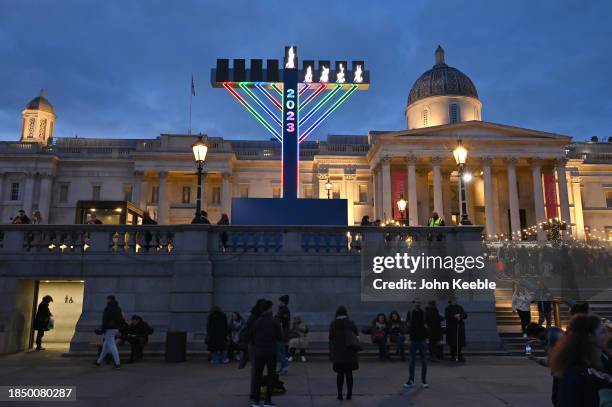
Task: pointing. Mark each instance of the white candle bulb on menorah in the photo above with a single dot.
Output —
(308, 76)
(358, 75)
(290, 59)
(340, 75)
(324, 74)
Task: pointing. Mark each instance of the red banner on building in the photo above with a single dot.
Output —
(550, 196)
(398, 186)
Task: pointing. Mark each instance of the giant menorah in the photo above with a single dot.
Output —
(290, 103)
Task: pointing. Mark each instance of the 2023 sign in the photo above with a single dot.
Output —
(289, 109)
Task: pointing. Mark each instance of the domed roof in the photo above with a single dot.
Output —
(442, 80)
(40, 103)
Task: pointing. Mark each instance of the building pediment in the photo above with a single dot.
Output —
(477, 130)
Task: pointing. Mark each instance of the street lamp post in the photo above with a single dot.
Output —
(460, 153)
(401, 205)
(328, 187)
(199, 152)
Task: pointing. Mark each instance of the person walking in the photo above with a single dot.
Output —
(265, 337)
(577, 360)
(42, 320)
(344, 346)
(216, 335)
(380, 334)
(283, 316)
(455, 329)
(521, 303)
(112, 322)
(433, 321)
(418, 342)
(235, 327)
(397, 330)
(297, 339)
(245, 343)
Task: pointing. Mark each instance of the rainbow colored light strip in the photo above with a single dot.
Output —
(329, 111)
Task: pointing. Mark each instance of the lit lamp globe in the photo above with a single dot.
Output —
(328, 187)
(401, 205)
(199, 150)
(460, 154)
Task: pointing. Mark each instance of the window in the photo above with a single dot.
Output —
(128, 192)
(454, 113)
(276, 191)
(336, 191)
(609, 199)
(186, 195)
(363, 193)
(31, 127)
(308, 191)
(244, 191)
(426, 117)
(43, 128)
(154, 194)
(216, 195)
(15, 191)
(96, 192)
(63, 193)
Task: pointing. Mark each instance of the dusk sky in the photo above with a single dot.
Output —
(122, 69)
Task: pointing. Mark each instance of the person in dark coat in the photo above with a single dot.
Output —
(380, 335)
(138, 332)
(418, 339)
(433, 320)
(216, 335)
(265, 337)
(455, 329)
(21, 218)
(42, 319)
(283, 316)
(112, 323)
(245, 344)
(397, 329)
(343, 353)
(224, 221)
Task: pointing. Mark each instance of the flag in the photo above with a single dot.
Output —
(192, 86)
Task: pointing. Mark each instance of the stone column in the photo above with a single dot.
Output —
(226, 195)
(563, 194)
(2, 196)
(372, 194)
(348, 191)
(137, 189)
(163, 206)
(488, 196)
(413, 210)
(513, 200)
(44, 196)
(437, 186)
(379, 193)
(578, 215)
(538, 196)
(447, 196)
(387, 213)
(28, 194)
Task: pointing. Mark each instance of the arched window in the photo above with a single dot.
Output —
(454, 113)
(425, 117)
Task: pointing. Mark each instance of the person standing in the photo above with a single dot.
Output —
(235, 327)
(36, 218)
(245, 343)
(21, 218)
(298, 339)
(216, 335)
(433, 321)
(265, 337)
(380, 333)
(576, 359)
(521, 303)
(42, 320)
(544, 305)
(418, 339)
(455, 329)
(343, 346)
(283, 316)
(435, 220)
(112, 322)
(397, 329)
(224, 221)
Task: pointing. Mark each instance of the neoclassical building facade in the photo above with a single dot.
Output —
(520, 177)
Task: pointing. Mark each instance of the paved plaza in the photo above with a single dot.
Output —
(484, 382)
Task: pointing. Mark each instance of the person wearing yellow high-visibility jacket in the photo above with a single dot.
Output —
(435, 220)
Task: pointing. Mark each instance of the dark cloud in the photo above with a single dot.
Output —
(122, 69)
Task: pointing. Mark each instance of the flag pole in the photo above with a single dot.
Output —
(191, 89)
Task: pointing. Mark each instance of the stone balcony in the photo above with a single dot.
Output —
(173, 274)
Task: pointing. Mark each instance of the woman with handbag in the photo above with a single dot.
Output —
(344, 346)
(43, 321)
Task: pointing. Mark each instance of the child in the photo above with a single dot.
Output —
(297, 339)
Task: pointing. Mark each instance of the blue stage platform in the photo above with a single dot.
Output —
(294, 212)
